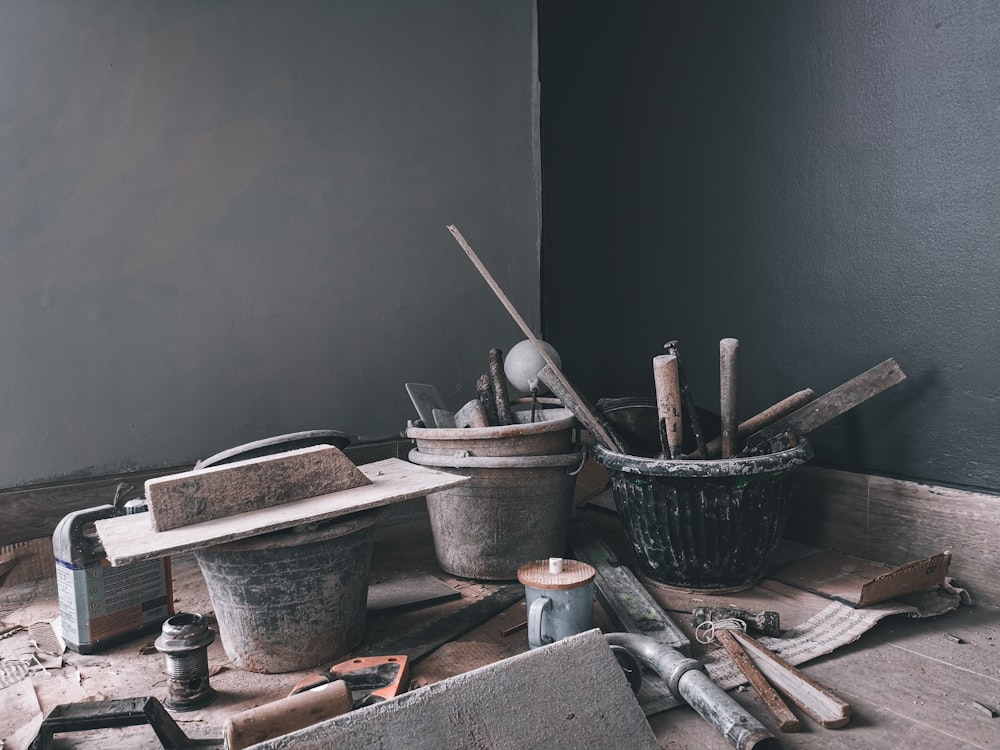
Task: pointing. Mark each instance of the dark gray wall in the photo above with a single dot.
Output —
(818, 179)
(222, 220)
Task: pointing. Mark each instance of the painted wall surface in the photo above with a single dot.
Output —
(223, 221)
(819, 180)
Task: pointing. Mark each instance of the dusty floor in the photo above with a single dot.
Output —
(910, 683)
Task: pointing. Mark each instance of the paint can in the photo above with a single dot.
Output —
(100, 605)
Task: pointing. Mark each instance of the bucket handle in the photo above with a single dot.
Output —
(584, 455)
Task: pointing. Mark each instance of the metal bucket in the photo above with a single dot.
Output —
(703, 525)
(513, 509)
(290, 600)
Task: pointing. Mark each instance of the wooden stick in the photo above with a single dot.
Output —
(499, 380)
(582, 410)
(806, 693)
(484, 392)
(666, 382)
(596, 428)
(834, 403)
(692, 410)
(728, 381)
(787, 721)
(772, 413)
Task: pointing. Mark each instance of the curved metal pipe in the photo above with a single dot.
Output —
(689, 682)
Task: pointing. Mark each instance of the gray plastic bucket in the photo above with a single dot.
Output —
(703, 525)
(513, 509)
(290, 600)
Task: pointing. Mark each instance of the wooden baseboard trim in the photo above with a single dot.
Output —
(895, 521)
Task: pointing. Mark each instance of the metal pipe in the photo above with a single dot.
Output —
(688, 682)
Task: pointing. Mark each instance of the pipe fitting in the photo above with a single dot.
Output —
(184, 642)
(689, 683)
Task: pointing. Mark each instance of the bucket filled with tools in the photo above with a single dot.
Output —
(705, 525)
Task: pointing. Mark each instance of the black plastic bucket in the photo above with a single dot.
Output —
(703, 525)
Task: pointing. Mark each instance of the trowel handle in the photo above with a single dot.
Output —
(536, 617)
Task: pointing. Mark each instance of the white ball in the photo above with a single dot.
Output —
(523, 363)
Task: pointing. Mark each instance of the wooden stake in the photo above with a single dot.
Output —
(728, 380)
(596, 428)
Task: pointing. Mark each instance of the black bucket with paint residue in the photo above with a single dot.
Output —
(703, 525)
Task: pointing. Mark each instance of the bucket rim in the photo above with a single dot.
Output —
(459, 461)
(326, 530)
(564, 421)
(783, 460)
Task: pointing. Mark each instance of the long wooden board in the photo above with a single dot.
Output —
(129, 539)
(843, 398)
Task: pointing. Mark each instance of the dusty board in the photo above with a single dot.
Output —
(200, 495)
(129, 538)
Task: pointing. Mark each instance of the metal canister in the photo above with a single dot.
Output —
(101, 605)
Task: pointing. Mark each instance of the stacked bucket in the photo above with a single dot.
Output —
(516, 505)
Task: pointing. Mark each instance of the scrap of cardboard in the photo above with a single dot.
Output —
(859, 582)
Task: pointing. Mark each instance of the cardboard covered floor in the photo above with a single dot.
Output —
(916, 683)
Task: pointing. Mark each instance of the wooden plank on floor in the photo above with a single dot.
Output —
(129, 538)
(409, 592)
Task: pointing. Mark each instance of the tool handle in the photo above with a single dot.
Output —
(771, 414)
(287, 715)
(499, 382)
(787, 721)
(806, 693)
(573, 401)
(667, 384)
(729, 393)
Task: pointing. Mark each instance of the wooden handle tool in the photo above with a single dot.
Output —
(484, 392)
(806, 693)
(713, 448)
(499, 382)
(666, 381)
(728, 383)
(787, 721)
(287, 715)
(570, 398)
(834, 403)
